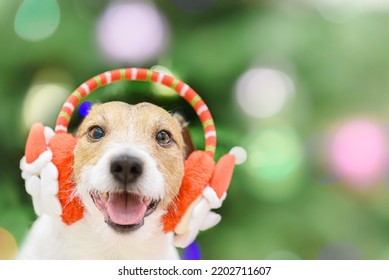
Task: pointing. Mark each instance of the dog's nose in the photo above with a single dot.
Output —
(126, 169)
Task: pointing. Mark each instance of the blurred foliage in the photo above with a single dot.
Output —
(339, 70)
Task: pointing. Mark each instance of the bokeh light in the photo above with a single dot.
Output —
(339, 11)
(378, 5)
(43, 103)
(132, 32)
(8, 246)
(359, 152)
(37, 19)
(263, 92)
(340, 251)
(44, 98)
(48, 91)
(274, 157)
(274, 153)
(305, 70)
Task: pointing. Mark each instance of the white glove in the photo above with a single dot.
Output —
(198, 217)
(41, 181)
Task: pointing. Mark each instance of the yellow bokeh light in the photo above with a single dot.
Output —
(8, 246)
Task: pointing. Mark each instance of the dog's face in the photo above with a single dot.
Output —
(128, 162)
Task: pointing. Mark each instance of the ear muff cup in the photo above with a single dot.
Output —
(62, 146)
(198, 170)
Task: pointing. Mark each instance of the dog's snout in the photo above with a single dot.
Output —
(126, 169)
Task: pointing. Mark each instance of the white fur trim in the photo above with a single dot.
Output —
(49, 133)
(26, 175)
(36, 203)
(223, 197)
(41, 182)
(60, 127)
(49, 178)
(36, 166)
(211, 220)
(212, 198)
(240, 154)
(33, 185)
(199, 212)
(50, 203)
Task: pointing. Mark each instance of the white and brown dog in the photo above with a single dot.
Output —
(128, 167)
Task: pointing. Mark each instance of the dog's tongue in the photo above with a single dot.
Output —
(125, 208)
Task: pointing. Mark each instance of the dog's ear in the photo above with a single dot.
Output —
(189, 146)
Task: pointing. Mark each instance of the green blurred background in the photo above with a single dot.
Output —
(302, 85)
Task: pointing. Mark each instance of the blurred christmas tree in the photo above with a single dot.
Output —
(302, 87)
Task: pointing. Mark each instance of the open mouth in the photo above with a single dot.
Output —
(124, 211)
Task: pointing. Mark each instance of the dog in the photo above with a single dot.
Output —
(128, 167)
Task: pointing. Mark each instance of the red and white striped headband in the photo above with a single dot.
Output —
(146, 75)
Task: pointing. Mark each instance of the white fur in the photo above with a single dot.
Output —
(96, 177)
(91, 237)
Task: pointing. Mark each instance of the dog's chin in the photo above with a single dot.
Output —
(124, 211)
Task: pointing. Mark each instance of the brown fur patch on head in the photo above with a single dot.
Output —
(189, 146)
(135, 125)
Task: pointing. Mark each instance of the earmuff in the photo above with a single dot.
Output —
(200, 169)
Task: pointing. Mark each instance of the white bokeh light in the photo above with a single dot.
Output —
(339, 11)
(132, 32)
(263, 92)
(376, 4)
(43, 103)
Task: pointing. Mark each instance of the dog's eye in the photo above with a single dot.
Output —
(163, 138)
(95, 133)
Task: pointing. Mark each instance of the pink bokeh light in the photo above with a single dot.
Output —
(132, 32)
(359, 152)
